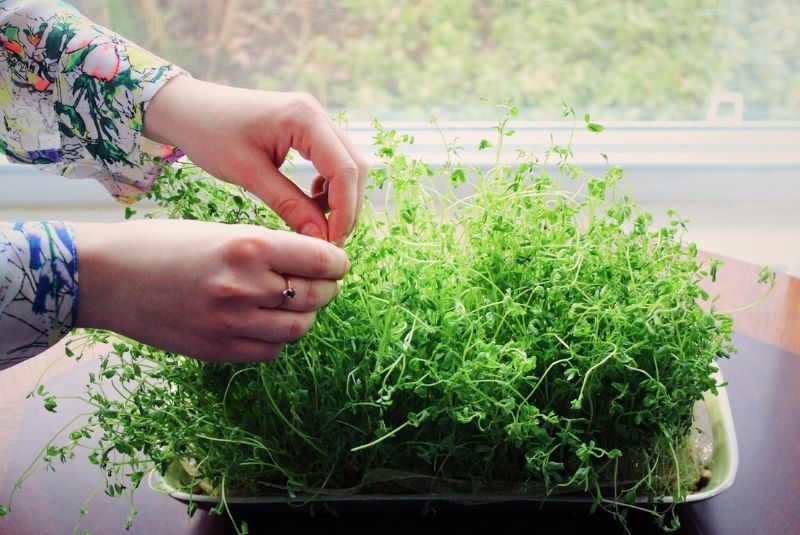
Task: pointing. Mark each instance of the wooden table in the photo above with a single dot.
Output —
(764, 394)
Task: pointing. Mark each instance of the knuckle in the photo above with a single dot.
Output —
(220, 325)
(322, 261)
(223, 348)
(223, 323)
(300, 107)
(286, 207)
(272, 351)
(224, 290)
(242, 249)
(307, 99)
(313, 296)
(361, 164)
(206, 348)
(245, 351)
(299, 325)
(349, 170)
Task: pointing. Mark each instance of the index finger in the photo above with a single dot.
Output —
(320, 144)
(361, 164)
(295, 254)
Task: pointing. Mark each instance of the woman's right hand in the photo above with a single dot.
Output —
(243, 136)
(205, 290)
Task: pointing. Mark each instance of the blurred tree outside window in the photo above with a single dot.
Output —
(640, 60)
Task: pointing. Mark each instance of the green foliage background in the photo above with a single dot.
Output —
(641, 60)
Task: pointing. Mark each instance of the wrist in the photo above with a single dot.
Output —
(95, 245)
(165, 116)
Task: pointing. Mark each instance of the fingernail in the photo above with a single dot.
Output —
(312, 230)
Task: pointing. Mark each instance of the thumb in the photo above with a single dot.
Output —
(288, 201)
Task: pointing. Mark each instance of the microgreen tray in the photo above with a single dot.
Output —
(713, 413)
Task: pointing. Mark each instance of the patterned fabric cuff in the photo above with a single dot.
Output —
(74, 96)
(150, 156)
(38, 287)
(107, 82)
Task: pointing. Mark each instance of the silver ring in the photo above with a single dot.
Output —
(289, 292)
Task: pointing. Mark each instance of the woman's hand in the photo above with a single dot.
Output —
(242, 136)
(205, 290)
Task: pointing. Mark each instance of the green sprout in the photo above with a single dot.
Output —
(523, 337)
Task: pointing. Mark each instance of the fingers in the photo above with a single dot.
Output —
(318, 142)
(274, 325)
(305, 126)
(359, 160)
(302, 256)
(310, 294)
(290, 202)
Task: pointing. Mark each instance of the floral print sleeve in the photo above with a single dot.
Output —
(38, 288)
(72, 98)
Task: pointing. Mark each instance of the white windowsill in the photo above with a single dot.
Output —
(738, 183)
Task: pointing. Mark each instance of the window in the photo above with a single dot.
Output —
(700, 98)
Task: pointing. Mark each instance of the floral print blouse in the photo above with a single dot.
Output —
(72, 98)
